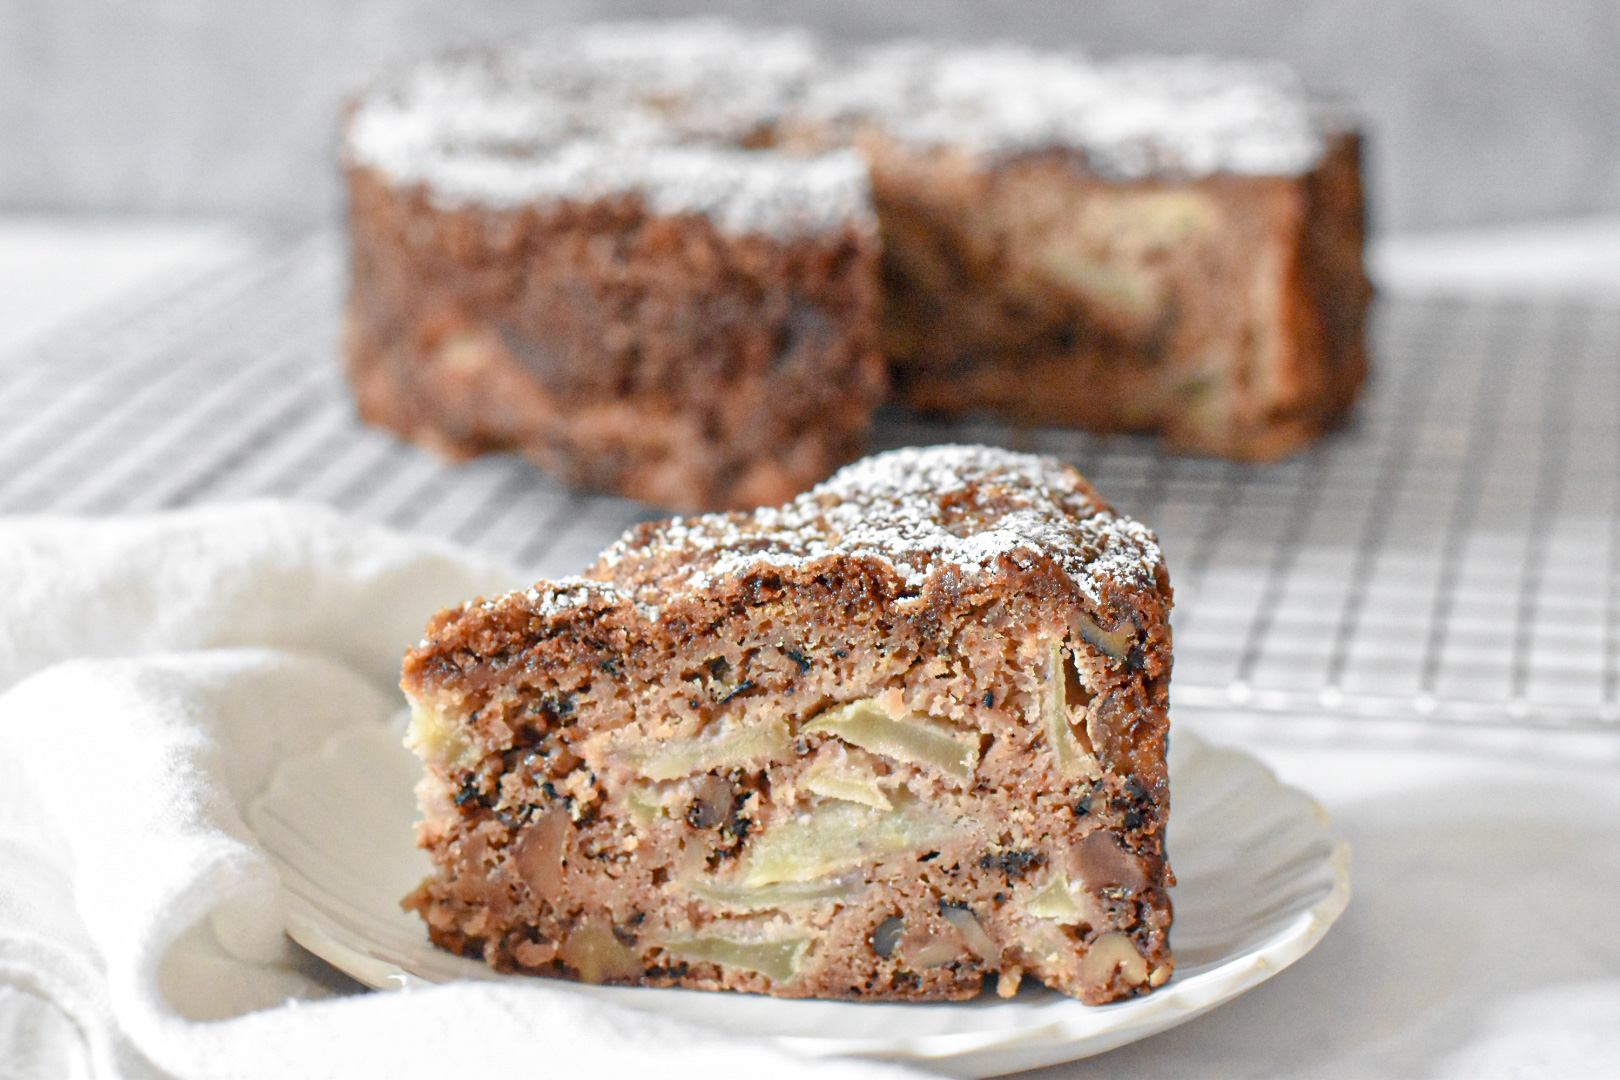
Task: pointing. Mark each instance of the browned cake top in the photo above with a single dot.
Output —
(914, 515)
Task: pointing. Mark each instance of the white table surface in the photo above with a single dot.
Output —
(54, 268)
(1483, 939)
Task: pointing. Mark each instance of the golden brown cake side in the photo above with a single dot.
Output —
(649, 355)
(899, 735)
(1335, 293)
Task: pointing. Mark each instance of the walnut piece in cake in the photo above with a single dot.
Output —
(903, 733)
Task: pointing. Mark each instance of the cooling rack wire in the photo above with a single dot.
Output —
(1455, 556)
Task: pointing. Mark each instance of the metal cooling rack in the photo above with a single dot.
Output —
(1455, 556)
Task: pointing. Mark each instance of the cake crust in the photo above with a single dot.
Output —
(897, 736)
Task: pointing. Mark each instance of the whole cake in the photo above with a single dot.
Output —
(903, 733)
(662, 259)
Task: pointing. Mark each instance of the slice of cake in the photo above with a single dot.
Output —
(568, 252)
(1159, 245)
(900, 734)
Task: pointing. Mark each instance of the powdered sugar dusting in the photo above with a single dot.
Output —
(920, 511)
(668, 110)
(658, 110)
(551, 598)
(1135, 117)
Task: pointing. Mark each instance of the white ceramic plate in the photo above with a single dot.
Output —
(1261, 880)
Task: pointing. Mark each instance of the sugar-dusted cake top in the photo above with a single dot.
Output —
(624, 84)
(1185, 115)
(919, 511)
(683, 113)
(662, 110)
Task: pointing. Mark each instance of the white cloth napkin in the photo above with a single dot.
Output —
(154, 671)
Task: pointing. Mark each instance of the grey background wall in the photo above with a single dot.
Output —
(1481, 110)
